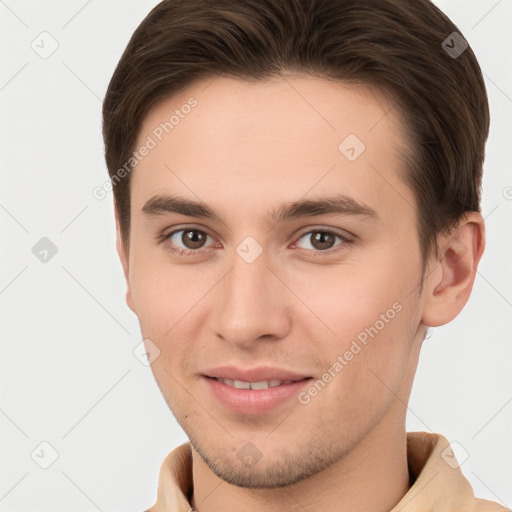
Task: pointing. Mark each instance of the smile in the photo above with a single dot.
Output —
(263, 384)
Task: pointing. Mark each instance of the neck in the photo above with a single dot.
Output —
(372, 476)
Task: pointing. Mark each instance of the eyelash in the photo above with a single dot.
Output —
(315, 253)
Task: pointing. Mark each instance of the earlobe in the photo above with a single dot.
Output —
(449, 284)
(123, 257)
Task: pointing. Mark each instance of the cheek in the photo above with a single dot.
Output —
(152, 300)
(366, 316)
(163, 293)
(349, 298)
(165, 302)
(172, 304)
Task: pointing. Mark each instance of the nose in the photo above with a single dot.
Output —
(251, 304)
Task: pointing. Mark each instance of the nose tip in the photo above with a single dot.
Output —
(250, 304)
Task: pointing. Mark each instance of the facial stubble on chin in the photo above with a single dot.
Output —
(288, 470)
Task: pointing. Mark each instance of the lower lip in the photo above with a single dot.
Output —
(254, 401)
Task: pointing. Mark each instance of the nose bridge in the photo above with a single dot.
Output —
(249, 305)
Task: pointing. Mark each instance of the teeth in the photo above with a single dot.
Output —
(240, 384)
(260, 385)
(264, 384)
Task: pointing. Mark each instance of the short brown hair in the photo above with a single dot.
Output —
(395, 45)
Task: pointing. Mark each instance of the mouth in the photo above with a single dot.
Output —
(262, 384)
(256, 397)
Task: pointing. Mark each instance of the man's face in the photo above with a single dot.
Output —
(296, 294)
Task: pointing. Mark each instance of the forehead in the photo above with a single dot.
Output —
(264, 108)
(269, 139)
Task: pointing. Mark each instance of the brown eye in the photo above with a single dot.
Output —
(187, 239)
(320, 240)
(193, 239)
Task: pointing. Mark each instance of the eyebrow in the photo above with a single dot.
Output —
(332, 205)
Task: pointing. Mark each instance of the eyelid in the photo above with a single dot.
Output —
(167, 233)
(345, 235)
(346, 241)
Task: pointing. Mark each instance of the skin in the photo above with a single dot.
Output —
(244, 150)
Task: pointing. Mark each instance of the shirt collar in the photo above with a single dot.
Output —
(438, 484)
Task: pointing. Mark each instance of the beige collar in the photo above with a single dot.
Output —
(439, 485)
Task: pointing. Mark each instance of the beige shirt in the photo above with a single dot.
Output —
(438, 483)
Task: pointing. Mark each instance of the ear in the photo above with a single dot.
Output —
(123, 257)
(452, 274)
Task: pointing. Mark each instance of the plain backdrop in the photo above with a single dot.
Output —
(68, 375)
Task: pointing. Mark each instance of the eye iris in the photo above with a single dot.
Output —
(322, 240)
(193, 239)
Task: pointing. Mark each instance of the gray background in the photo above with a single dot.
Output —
(68, 373)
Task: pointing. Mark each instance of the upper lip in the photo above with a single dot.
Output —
(258, 374)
